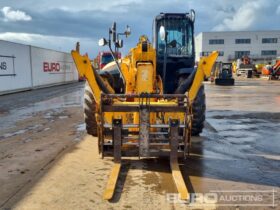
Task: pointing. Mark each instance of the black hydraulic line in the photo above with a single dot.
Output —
(118, 65)
(112, 32)
(165, 56)
(100, 82)
(186, 84)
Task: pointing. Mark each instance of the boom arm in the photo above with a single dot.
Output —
(85, 69)
(203, 70)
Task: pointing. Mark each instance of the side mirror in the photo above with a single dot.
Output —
(192, 15)
(127, 31)
(119, 43)
(102, 42)
(162, 33)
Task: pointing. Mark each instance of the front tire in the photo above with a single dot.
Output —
(198, 110)
(198, 106)
(89, 111)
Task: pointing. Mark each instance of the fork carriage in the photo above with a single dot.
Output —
(160, 124)
(148, 135)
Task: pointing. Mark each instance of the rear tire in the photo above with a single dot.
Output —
(249, 74)
(89, 111)
(224, 82)
(198, 109)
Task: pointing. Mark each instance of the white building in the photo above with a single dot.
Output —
(259, 45)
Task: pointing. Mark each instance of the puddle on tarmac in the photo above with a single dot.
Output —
(230, 125)
(18, 132)
(63, 117)
(81, 127)
(69, 100)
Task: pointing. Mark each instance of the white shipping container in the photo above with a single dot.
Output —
(15, 68)
(25, 67)
(51, 67)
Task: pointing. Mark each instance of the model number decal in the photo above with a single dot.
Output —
(3, 66)
(7, 67)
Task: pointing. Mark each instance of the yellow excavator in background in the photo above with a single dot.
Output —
(150, 102)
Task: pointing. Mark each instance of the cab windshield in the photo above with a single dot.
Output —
(106, 58)
(178, 38)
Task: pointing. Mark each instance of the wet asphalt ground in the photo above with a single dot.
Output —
(238, 152)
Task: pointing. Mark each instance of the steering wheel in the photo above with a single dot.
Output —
(172, 44)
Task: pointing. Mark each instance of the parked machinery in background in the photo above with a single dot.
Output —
(245, 67)
(101, 60)
(259, 68)
(234, 66)
(222, 74)
(272, 70)
(105, 57)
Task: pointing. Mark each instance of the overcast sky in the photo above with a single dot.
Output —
(58, 24)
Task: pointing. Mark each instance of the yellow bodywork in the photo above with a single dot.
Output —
(139, 70)
(234, 66)
(146, 90)
(259, 67)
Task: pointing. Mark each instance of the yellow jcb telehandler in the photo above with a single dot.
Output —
(150, 102)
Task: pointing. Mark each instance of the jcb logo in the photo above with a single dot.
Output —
(3, 66)
(51, 67)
